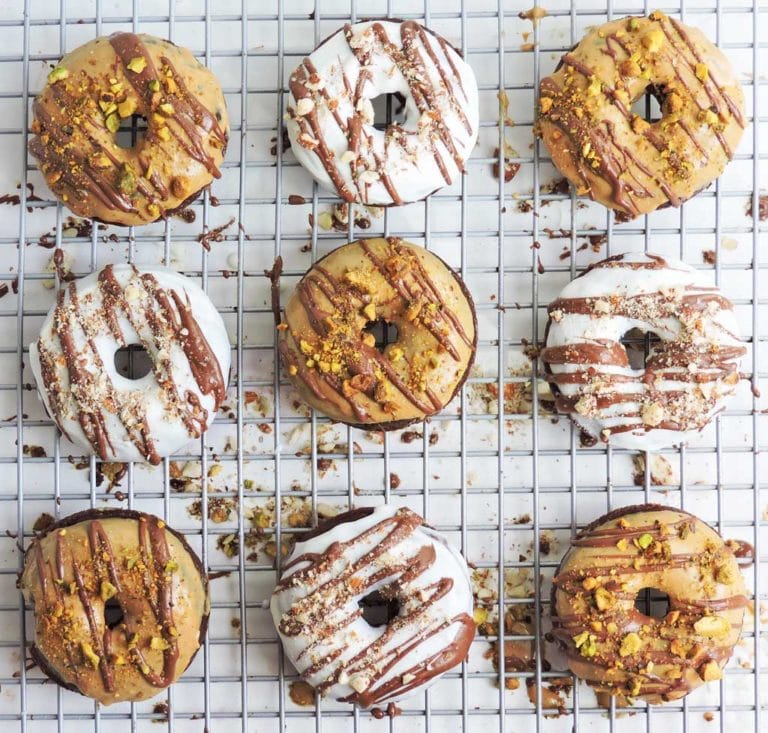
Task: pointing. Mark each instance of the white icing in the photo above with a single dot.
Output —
(717, 323)
(356, 637)
(412, 168)
(163, 423)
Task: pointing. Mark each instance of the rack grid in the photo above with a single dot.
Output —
(497, 471)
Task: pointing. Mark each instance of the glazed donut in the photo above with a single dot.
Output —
(374, 606)
(335, 363)
(330, 117)
(620, 159)
(687, 375)
(117, 418)
(100, 86)
(120, 601)
(616, 648)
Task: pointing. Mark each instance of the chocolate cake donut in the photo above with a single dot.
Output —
(619, 158)
(374, 606)
(330, 116)
(688, 372)
(103, 85)
(120, 601)
(334, 361)
(612, 645)
(111, 415)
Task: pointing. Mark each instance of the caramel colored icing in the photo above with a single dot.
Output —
(619, 650)
(95, 566)
(335, 363)
(617, 157)
(97, 88)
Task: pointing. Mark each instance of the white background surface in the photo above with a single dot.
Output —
(549, 485)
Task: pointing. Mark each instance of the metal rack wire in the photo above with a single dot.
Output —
(498, 479)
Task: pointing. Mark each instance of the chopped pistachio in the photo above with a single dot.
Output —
(586, 643)
(57, 74)
(154, 85)
(127, 181)
(137, 64)
(163, 134)
(713, 626)
(480, 615)
(113, 123)
(248, 483)
(89, 654)
(171, 566)
(158, 643)
(130, 562)
(645, 540)
(370, 311)
(167, 109)
(710, 671)
(107, 590)
(604, 599)
(702, 72)
(630, 644)
(589, 583)
(126, 108)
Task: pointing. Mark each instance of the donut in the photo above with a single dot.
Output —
(120, 602)
(101, 86)
(374, 606)
(335, 363)
(687, 374)
(108, 414)
(330, 117)
(620, 159)
(617, 649)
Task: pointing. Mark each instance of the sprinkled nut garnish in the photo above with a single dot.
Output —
(702, 72)
(653, 414)
(396, 353)
(370, 311)
(710, 671)
(107, 590)
(623, 544)
(654, 40)
(57, 74)
(480, 615)
(158, 643)
(359, 683)
(604, 599)
(164, 134)
(586, 643)
(545, 104)
(716, 627)
(154, 85)
(725, 574)
(630, 644)
(127, 107)
(153, 210)
(127, 180)
(171, 566)
(137, 64)
(304, 106)
(89, 654)
(645, 540)
(167, 109)
(589, 583)
(113, 123)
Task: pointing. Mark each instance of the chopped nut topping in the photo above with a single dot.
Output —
(630, 644)
(137, 64)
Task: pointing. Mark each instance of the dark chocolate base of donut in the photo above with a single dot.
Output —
(88, 514)
(399, 424)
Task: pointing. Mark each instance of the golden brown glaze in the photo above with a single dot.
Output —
(95, 90)
(619, 650)
(336, 365)
(111, 562)
(617, 157)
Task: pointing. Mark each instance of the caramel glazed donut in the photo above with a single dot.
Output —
(121, 604)
(619, 650)
(117, 418)
(687, 375)
(335, 363)
(620, 159)
(100, 86)
(388, 558)
(330, 117)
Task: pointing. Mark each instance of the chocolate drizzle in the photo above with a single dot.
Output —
(323, 586)
(435, 95)
(160, 318)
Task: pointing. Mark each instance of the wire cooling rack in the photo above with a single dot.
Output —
(503, 477)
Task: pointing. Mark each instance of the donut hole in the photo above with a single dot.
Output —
(652, 602)
(649, 105)
(638, 344)
(133, 362)
(131, 131)
(388, 109)
(113, 613)
(378, 609)
(383, 331)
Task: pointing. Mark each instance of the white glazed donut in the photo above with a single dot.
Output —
(421, 588)
(687, 375)
(330, 115)
(117, 418)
